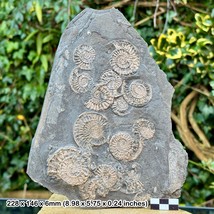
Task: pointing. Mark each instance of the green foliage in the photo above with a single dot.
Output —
(188, 55)
(192, 50)
(199, 184)
(29, 34)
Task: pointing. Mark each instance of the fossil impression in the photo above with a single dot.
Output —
(83, 56)
(125, 59)
(80, 83)
(123, 147)
(69, 165)
(105, 131)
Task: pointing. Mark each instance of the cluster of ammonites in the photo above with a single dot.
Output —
(91, 128)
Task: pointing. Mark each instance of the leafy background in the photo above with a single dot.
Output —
(180, 35)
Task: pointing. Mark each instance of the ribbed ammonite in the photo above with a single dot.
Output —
(91, 128)
(136, 92)
(123, 147)
(125, 59)
(112, 80)
(100, 183)
(106, 175)
(83, 56)
(144, 129)
(120, 106)
(80, 83)
(69, 165)
(101, 98)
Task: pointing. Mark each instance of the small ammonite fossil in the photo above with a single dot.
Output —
(69, 165)
(144, 129)
(91, 129)
(101, 98)
(107, 175)
(137, 93)
(89, 189)
(112, 80)
(125, 59)
(132, 180)
(104, 178)
(83, 56)
(120, 106)
(123, 147)
(80, 83)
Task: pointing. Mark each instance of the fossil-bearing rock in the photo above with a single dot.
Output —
(105, 130)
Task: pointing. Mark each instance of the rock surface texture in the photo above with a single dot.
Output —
(105, 130)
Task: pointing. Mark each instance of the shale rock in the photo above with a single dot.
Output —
(105, 130)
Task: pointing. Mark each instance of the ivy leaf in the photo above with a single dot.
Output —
(212, 84)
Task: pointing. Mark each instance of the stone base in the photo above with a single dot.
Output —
(77, 210)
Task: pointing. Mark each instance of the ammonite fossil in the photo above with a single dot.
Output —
(137, 93)
(124, 59)
(101, 98)
(120, 106)
(132, 186)
(100, 183)
(112, 80)
(88, 189)
(144, 129)
(131, 181)
(80, 83)
(123, 147)
(107, 175)
(69, 165)
(83, 56)
(90, 129)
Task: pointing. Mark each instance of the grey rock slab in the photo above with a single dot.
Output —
(105, 130)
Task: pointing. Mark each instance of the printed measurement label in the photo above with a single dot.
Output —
(75, 203)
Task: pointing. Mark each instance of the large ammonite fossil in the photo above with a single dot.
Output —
(83, 56)
(91, 129)
(123, 147)
(69, 165)
(112, 80)
(80, 83)
(137, 93)
(101, 98)
(144, 129)
(124, 59)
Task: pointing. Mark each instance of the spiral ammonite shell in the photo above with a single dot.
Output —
(83, 56)
(91, 128)
(107, 175)
(88, 190)
(69, 165)
(100, 183)
(144, 128)
(137, 93)
(112, 80)
(120, 106)
(125, 59)
(101, 98)
(80, 83)
(123, 147)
